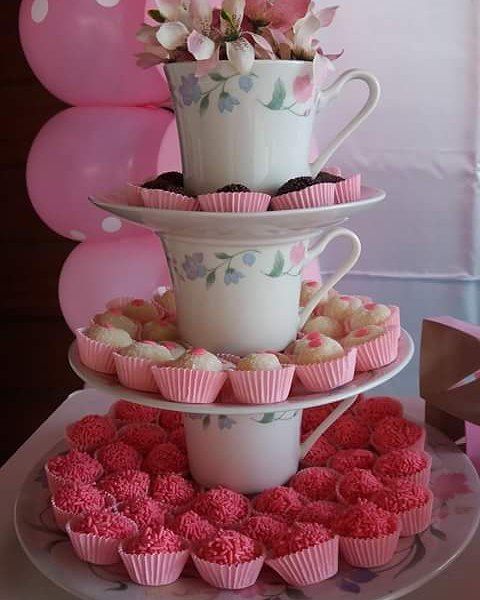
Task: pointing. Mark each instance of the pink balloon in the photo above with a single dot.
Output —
(96, 272)
(87, 151)
(83, 52)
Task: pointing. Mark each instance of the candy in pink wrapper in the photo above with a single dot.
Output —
(135, 373)
(229, 577)
(262, 387)
(375, 552)
(189, 385)
(95, 355)
(237, 202)
(324, 376)
(167, 200)
(62, 517)
(393, 322)
(154, 569)
(349, 189)
(378, 352)
(417, 519)
(314, 196)
(308, 566)
(421, 477)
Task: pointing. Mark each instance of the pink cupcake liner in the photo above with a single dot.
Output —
(262, 387)
(229, 577)
(134, 194)
(417, 519)
(325, 376)
(379, 352)
(167, 200)
(62, 517)
(238, 202)
(320, 194)
(95, 549)
(348, 190)
(374, 552)
(393, 321)
(420, 478)
(95, 355)
(308, 566)
(154, 569)
(188, 385)
(135, 373)
(120, 302)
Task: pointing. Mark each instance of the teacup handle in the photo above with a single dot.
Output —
(344, 268)
(324, 96)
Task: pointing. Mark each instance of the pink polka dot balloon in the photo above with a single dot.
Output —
(83, 51)
(96, 272)
(87, 151)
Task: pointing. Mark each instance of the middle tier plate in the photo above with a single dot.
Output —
(362, 382)
(237, 227)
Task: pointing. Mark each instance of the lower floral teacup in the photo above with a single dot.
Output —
(242, 298)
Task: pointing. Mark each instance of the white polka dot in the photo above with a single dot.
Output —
(111, 224)
(39, 10)
(77, 235)
(108, 3)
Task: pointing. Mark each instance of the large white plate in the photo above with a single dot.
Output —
(418, 559)
(361, 383)
(271, 225)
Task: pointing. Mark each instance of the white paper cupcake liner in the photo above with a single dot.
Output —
(229, 577)
(375, 552)
(188, 385)
(417, 519)
(325, 376)
(237, 202)
(95, 355)
(379, 352)
(154, 569)
(163, 199)
(320, 194)
(348, 190)
(262, 387)
(135, 373)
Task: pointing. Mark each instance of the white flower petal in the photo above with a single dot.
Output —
(235, 8)
(262, 43)
(169, 9)
(322, 66)
(304, 30)
(172, 35)
(241, 55)
(200, 12)
(200, 45)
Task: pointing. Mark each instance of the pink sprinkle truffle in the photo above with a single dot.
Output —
(323, 512)
(400, 463)
(370, 411)
(312, 417)
(170, 419)
(283, 501)
(91, 432)
(165, 458)
(400, 497)
(316, 483)
(177, 437)
(228, 547)
(77, 498)
(172, 490)
(347, 433)
(75, 466)
(319, 454)
(222, 506)
(130, 412)
(346, 460)
(191, 526)
(118, 456)
(356, 484)
(365, 520)
(142, 436)
(104, 523)
(300, 536)
(396, 433)
(126, 485)
(144, 512)
(154, 540)
(264, 529)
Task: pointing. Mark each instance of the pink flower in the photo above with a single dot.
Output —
(447, 486)
(297, 253)
(302, 88)
(279, 15)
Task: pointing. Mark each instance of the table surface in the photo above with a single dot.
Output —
(20, 580)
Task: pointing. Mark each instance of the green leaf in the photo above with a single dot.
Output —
(278, 264)
(222, 255)
(156, 15)
(211, 277)
(217, 77)
(227, 17)
(278, 96)
(267, 418)
(204, 104)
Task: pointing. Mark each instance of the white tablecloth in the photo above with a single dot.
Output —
(19, 580)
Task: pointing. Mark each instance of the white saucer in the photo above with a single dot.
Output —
(273, 225)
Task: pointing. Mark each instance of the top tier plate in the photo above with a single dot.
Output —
(241, 227)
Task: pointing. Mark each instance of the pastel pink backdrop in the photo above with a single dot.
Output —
(85, 151)
(96, 272)
(83, 51)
